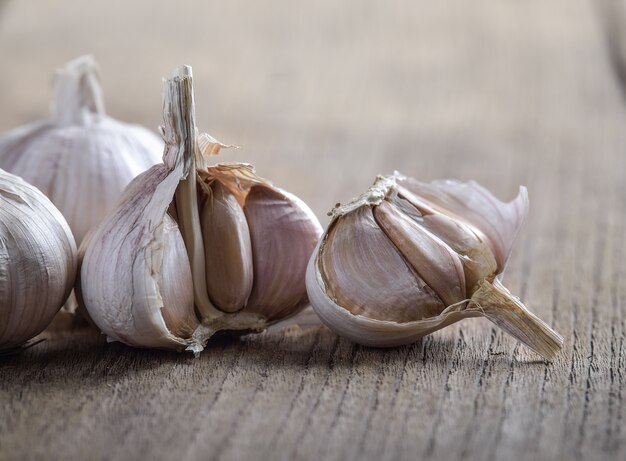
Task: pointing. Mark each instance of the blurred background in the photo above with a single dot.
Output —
(322, 96)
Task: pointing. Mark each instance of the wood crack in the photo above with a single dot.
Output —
(597, 285)
(454, 365)
(282, 425)
(307, 424)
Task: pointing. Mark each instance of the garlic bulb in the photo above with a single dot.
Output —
(37, 261)
(192, 249)
(407, 258)
(80, 158)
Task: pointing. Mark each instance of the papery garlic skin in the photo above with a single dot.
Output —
(121, 277)
(80, 158)
(147, 277)
(122, 271)
(37, 261)
(454, 240)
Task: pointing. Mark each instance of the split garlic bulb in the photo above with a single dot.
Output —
(192, 249)
(407, 258)
(80, 158)
(37, 261)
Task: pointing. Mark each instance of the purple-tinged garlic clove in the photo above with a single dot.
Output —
(284, 232)
(227, 249)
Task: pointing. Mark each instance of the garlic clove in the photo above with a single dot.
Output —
(37, 261)
(363, 329)
(435, 262)
(227, 248)
(366, 274)
(284, 232)
(478, 261)
(500, 222)
(476, 255)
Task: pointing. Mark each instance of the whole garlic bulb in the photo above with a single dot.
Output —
(80, 158)
(37, 261)
(192, 249)
(407, 258)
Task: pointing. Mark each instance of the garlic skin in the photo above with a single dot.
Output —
(121, 282)
(37, 261)
(192, 249)
(407, 258)
(80, 158)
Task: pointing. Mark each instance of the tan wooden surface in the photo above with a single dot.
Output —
(322, 96)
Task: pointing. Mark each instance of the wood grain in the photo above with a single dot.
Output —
(322, 96)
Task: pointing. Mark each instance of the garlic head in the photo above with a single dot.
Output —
(193, 248)
(80, 158)
(37, 261)
(407, 258)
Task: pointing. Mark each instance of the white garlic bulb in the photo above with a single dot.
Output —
(192, 249)
(80, 158)
(37, 261)
(408, 258)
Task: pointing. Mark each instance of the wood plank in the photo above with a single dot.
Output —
(322, 97)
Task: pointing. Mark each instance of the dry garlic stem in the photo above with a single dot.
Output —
(193, 249)
(37, 261)
(408, 258)
(80, 158)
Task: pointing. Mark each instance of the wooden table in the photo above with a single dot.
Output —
(322, 96)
